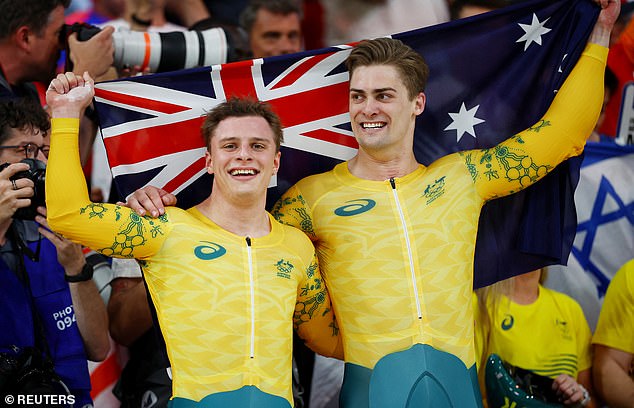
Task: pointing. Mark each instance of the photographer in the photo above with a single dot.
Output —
(49, 301)
(30, 46)
(31, 40)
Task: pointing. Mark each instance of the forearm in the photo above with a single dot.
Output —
(64, 177)
(600, 35)
(611, 380)
(576, 108)
(321, 334)
(314, 318)
(322, 339)
(561, 133)
(128, 310)
(92, 319)
(614, 386)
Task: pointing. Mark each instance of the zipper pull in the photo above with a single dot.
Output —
(248, 239)
(393, 183)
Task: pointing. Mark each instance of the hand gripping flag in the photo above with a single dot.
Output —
(492, 76)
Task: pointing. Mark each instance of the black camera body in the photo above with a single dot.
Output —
(28, 372)
(37, 174)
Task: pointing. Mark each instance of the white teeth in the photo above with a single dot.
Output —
(372, 125)
(243, 172)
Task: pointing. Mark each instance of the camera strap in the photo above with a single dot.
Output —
(21, 246)
(23, 276)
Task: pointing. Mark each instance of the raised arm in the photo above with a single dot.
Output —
(561, 133)
(110, 229)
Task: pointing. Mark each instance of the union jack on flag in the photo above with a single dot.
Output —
(491, 76)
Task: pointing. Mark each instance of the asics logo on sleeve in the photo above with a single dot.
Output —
(507, 323)
(209, 251)
(355, 207)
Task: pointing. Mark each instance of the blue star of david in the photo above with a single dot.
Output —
(592, 225)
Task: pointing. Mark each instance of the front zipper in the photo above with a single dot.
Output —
(409, 248)
(252, 295)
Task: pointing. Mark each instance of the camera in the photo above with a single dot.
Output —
(36, 173)
(169, 51)
(27, 371)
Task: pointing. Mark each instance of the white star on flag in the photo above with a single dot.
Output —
(464, 121)
(533, 32)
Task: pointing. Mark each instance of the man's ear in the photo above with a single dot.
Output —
(22, 38)
(276, 162)
(420, 103)
(209, 162)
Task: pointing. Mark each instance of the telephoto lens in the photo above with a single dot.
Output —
(162, 52)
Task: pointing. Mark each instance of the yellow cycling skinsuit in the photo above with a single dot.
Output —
(397, 255)
(226, 304)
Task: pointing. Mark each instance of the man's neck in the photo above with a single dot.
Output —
(10, 66)
(373, 167)
(248, 220)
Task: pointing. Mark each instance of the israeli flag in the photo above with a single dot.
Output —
(605, 226)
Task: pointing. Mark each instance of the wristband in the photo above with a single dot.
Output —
(85, 274)
(137, 20)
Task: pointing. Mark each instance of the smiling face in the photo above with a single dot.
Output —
(383, 115)
(243, 157)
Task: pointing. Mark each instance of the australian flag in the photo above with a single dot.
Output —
(492, 76)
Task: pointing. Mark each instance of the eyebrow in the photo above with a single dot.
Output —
(272, 33)
(250, 139)
(24, 143)
(374, 91)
